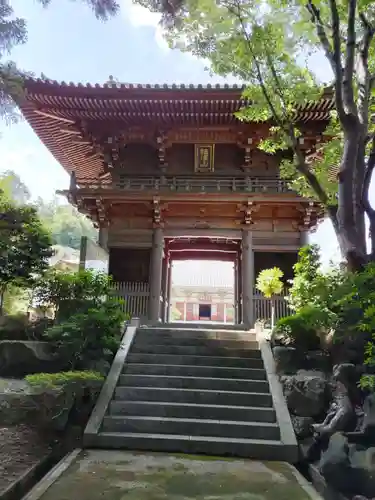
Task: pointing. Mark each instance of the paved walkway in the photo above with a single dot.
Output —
(113, 475)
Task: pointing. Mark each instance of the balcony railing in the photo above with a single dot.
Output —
(194, 184)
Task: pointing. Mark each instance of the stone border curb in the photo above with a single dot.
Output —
(51, 477)
(287, 435)
(18, 488)
(304, 483)
(109, 386)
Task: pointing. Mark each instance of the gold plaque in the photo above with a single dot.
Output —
(204, 157)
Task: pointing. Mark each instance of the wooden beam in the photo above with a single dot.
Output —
(54, 117)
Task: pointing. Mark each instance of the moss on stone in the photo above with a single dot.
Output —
(127, 476)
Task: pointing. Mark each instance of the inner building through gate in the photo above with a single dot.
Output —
(168, 173)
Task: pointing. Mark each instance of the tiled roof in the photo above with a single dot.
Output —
(58, 112)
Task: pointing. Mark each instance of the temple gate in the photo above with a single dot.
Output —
(168, 172)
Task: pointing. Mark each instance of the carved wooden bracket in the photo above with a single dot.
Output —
(248, 210)
(102, 213)
(305, 223)
(161, 141)
(157, 212)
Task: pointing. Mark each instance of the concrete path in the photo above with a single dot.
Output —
(113, 475)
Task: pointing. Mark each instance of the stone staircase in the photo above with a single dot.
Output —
(196, 391)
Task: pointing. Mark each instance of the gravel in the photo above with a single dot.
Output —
(21, 447)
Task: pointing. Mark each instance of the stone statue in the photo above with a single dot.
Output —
(341, 416)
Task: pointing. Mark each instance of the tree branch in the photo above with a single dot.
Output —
(367, 181)
(257, 67)
(333, 54)
(348, 91)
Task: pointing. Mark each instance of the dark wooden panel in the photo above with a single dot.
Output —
(129, 264)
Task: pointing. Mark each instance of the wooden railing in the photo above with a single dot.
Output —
(263, 307)
(183, 184)
(136, 297)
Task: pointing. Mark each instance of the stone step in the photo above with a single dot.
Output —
(191, 427)
(191, 410)
(194, 370)
(213, 384)
(201, 396)
(178, 350)
(215, 446)
(198, 334)
(147, 339)
(218, 361)
(193, 327)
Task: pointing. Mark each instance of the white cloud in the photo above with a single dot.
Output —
(139, 16)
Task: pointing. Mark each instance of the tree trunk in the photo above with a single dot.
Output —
(371, 217)
(272, 313)
(350, 237)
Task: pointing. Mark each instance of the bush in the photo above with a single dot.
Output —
(70, 293)
(63, 399)
(303, 329)
(89, 335)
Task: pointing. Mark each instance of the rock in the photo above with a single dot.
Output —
(368, 423)
(318, 360)
(49, 408)
(302, 426)
(349, 469)
(288, 360)
(309, 450)
(306, 393)
(101, 366)
(334, 464)
(19, 358)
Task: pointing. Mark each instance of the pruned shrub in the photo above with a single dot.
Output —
(63, 399)
(89, 335)
(303, 330)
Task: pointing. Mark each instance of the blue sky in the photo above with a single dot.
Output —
(66, 42)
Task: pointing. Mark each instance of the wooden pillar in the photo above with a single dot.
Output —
(304, 238)
(247, 269)
(237, 291)
(103, 238)
(167, 297)
(156, 273)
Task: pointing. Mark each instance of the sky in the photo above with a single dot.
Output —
(67, 43)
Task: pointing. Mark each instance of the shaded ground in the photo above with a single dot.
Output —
(20, 448)
(136, 476)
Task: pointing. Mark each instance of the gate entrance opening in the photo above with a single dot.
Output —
(202, 291)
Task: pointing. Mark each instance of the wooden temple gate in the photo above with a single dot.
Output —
(166, 171)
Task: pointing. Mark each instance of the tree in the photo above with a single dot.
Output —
(25, 245)
(270, 284)
(266, 44)
(66, 224)
(13, 31)
(13, 188)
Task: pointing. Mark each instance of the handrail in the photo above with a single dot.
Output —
(191, 184)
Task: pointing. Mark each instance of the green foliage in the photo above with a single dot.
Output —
(301, 329)
(66, 225)
(306, 272)
(14, 190)
(268, 44)
(25, 245)
(69, 293)
(91, 334)
(269, 282)
(311, 285)
(63, 378)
